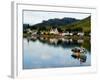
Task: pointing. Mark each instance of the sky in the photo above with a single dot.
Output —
(34, 17)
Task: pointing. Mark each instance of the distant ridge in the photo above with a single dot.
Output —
(63, 24)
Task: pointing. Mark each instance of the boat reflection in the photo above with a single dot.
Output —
(80, 54)
(81, 57)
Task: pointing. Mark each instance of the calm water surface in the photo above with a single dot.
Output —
(51, 53)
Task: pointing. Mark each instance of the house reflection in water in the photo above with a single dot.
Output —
(53, 40)
(63, 42)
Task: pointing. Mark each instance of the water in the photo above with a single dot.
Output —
(54, 53)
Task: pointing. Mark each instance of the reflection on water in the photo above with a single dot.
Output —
(42, 52)
(79, 56)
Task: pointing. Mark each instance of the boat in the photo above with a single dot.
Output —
(79, 50)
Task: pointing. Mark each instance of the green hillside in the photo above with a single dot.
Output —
(84, 25)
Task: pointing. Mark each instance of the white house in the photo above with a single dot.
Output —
(65, 34)
(42, 32)
(80, 33)
(34, 32)
(71, 34)
(29, 31)
(80, 41)
(54, 31)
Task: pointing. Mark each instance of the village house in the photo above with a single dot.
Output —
(42, 32)
(80, 33)
(29, 31)
(65, 33)
(34, 32)
(54, 31)
(80, 41)
(70, 33)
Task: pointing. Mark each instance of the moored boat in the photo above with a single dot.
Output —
(79, 50)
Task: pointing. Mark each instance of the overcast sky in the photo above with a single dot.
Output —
(34, 17)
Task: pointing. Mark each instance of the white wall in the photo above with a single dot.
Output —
(5, 37)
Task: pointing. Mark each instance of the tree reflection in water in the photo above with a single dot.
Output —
(63, 42)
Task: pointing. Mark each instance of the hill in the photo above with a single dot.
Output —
(84, 24)
(64, 24)
(53, 23)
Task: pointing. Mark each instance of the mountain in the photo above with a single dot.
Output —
(64, 24)
(56, 22)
